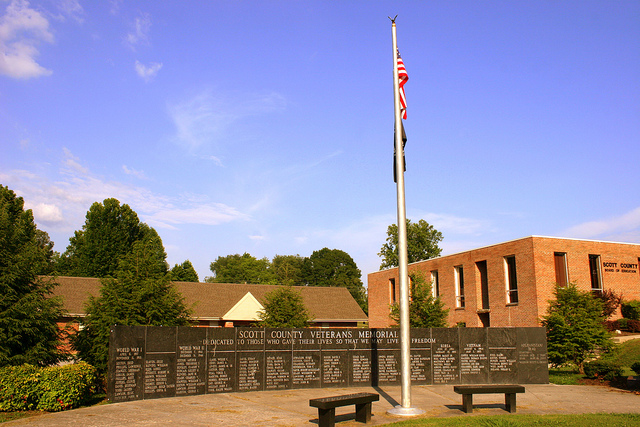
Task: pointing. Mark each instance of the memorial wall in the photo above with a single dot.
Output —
(147, 362)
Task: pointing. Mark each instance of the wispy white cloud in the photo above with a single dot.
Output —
(72, 9)
(625, 227)
(207, 214)
(62, 204)
(21, 30)
(203, 119)
(139, 34)
(130, 171)
(147, 73)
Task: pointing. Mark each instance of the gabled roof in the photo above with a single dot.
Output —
(248, 308)
(212, 301)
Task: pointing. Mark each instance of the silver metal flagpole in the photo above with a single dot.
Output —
(405, 331)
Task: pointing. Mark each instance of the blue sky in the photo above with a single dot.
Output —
(267, 127)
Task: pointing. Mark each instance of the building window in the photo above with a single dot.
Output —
(596, 276)
(459, 286)
(484, 283)
(392, 291)
(512, 279)
(562, 276)
(435, 284)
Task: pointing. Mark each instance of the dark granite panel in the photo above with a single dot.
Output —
(161, 339)
(126, 363)
(532, 356)
(389, 367)
(503, 356)
(159, 375)
(474, 356)
(361, 372)
(445, 356)
(221, 371)
(335, 368)
(277, 373)
(250, 370)
(421, 366)
(305, 369)
(191, 368)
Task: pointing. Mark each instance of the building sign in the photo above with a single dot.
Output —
(623, 267)
(147, 362)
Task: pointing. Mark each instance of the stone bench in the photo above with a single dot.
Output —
(509, 390)
(327, 407)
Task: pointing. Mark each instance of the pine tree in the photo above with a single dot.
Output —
(140, 294)
(284, 308)
(425, 311)
(28, 313)
(184, 272)
(575, 327)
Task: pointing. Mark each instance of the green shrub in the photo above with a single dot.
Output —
(66, 387)
(602, 369)
(51, 389)
(18, 387)
(630, 309)
(622, 323)
(636, 367)
(612, 325)
(633, 325)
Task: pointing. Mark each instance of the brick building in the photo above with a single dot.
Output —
(510, 283)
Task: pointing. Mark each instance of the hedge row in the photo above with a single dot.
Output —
(631, 310)
(57, 388)
(628, 325)
(602, 369)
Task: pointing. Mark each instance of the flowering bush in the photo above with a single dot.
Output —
(55, 388)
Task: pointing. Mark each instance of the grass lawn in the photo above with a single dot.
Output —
(10, 416)
(582, 420)
(626, 353)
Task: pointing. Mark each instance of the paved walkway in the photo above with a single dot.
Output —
(291, 407)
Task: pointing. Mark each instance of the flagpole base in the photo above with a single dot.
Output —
(405, 412)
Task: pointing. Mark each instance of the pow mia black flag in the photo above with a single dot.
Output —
(404, 142)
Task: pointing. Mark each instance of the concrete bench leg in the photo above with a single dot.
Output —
(467, 403)
(510, 402)
(363, 412)
(326, 417)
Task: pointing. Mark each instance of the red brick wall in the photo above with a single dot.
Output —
(535, 277)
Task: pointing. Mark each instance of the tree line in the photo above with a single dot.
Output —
(130, 259)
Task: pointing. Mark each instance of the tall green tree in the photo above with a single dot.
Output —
(425, 311)
(333, 267)
(28, 313)
(109, 232)
(288, 270)
(422, 243)
(284, 308)
(184, 272)
(241, 269)
(575, 327)
(141, 293)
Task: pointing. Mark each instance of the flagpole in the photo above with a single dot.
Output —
(405, 332)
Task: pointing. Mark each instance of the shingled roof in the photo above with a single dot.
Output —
(211, 301)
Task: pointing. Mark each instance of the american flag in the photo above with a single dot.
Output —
(403, 77)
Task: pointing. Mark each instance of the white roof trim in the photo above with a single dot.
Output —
(248, 308)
